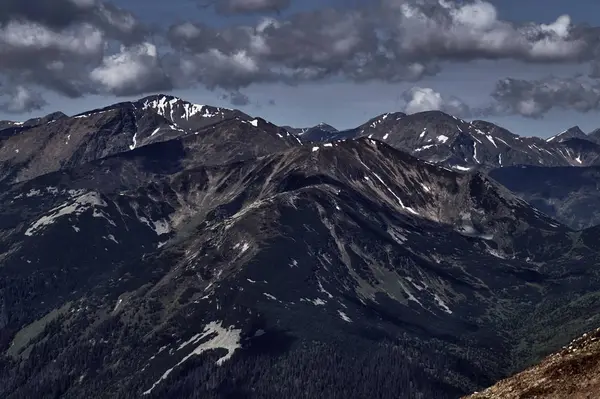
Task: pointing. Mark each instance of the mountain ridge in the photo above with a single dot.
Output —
(431, 135)
(442, 138)
(215, 260)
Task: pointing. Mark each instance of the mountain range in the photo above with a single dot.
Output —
(441, 138)
(163, 249)
(526, 165)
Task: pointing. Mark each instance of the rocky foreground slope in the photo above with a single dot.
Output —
(572, 373)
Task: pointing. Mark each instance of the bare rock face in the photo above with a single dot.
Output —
(572, 373)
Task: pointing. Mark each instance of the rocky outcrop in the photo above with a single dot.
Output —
(572, 373)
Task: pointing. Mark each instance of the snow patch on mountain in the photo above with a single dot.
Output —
(89, 114)
(78, 206)
(442, 304)
(221, 338)
(173, 108)
(344, 317)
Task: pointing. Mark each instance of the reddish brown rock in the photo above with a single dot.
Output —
(572, 373)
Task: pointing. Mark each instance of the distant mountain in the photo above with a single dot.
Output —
(441, 138)
(318, 133)
(594, 135)
(572, 133)
(161, 249)
(57, 142)
(570, 195)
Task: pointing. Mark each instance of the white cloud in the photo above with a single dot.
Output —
(22, 99)
(214, 68)
(72, 52)
(133, 70)
(465, 31)
(83, 39)
(534, 98)
(420, 99)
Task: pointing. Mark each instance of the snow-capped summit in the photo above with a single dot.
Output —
(326, 127)
(185, 114)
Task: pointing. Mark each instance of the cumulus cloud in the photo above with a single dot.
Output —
(397, 40)
(54, 44)
(56, 15)
(133, 70)
(463, 31)
(21, 99)
(23, 38)
(420, 99)
(533, 99)
(74, 47)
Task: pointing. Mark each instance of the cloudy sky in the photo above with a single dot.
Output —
(532, 66)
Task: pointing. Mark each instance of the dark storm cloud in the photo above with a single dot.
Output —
(535, 98)
(66, 46)
(237, 99)
(57, 15)
(20, 99)
(395, 41)
(595, 70)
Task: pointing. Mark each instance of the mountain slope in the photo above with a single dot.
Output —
(352, 254)
(171, 250)
(571, 373)
(33, 149)
(594, 135)
(570, 195)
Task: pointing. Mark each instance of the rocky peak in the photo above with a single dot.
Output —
(326, 127)
(272, 257)
(320, 132)
(187, 115)
(573, 132)
(594, 135)
(53, 117)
